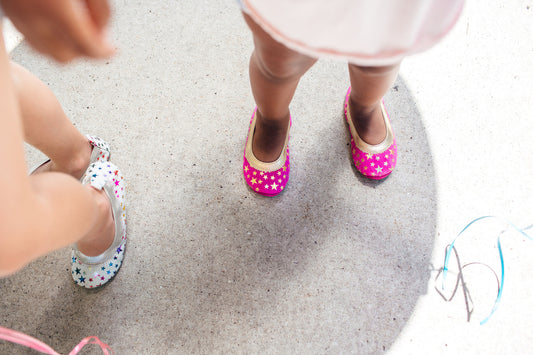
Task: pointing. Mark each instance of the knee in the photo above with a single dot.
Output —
(276, 67)
(274, 60)
(374, 70)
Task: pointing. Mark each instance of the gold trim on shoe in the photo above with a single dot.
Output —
(364, 146)
(258, 164)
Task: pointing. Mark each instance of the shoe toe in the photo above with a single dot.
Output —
(93, 276)
(266, 183)
(375, 166)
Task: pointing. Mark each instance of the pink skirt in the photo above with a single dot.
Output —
(363, 32)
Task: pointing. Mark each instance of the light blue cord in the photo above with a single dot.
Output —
(500, 288)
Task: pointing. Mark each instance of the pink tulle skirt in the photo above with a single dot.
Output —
(363, 32)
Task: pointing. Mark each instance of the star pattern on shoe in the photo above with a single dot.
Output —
(90, 277)
(262, 177)
(382, 162)
(270, 183)
(85, 271)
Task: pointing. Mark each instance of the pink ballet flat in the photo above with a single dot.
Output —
(267, 179)
(373, 161)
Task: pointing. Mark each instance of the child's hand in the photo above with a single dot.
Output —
(62, 29)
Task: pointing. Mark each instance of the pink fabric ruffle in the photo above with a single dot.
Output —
(364, 32)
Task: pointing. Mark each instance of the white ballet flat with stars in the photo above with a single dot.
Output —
(95, 271)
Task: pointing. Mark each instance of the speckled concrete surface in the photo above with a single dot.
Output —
(336, 263)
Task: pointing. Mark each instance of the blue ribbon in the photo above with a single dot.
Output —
(500, 288)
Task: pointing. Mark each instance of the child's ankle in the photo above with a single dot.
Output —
(363, 112)
(369, 122)
(269, 137)
(79, 162)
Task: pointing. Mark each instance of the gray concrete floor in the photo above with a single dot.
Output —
(335, 264)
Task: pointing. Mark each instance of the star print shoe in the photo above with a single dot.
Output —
(267, 179)
(95, 271)
(373, 161)
(100, 152)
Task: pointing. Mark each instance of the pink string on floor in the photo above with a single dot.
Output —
(35, 344)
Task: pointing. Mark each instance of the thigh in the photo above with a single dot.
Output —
(274, 56)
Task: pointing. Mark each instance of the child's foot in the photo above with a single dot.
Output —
(97, 258)
(100, 238)
(269, 137)
(368, 122)
(266, 166)
(374, 150)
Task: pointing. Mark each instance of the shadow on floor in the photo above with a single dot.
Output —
(334, 264)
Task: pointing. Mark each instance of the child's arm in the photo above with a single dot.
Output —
(62, 29)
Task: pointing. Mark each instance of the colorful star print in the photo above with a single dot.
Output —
(103, 175)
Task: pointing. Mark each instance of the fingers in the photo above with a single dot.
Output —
(84, 34)
(63, 29)
(100, 12)
(55, 49)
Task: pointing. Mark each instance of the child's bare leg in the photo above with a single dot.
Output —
(54, 188)
(47, 128)
(44, 212)
(369, 85)
(275, 71)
